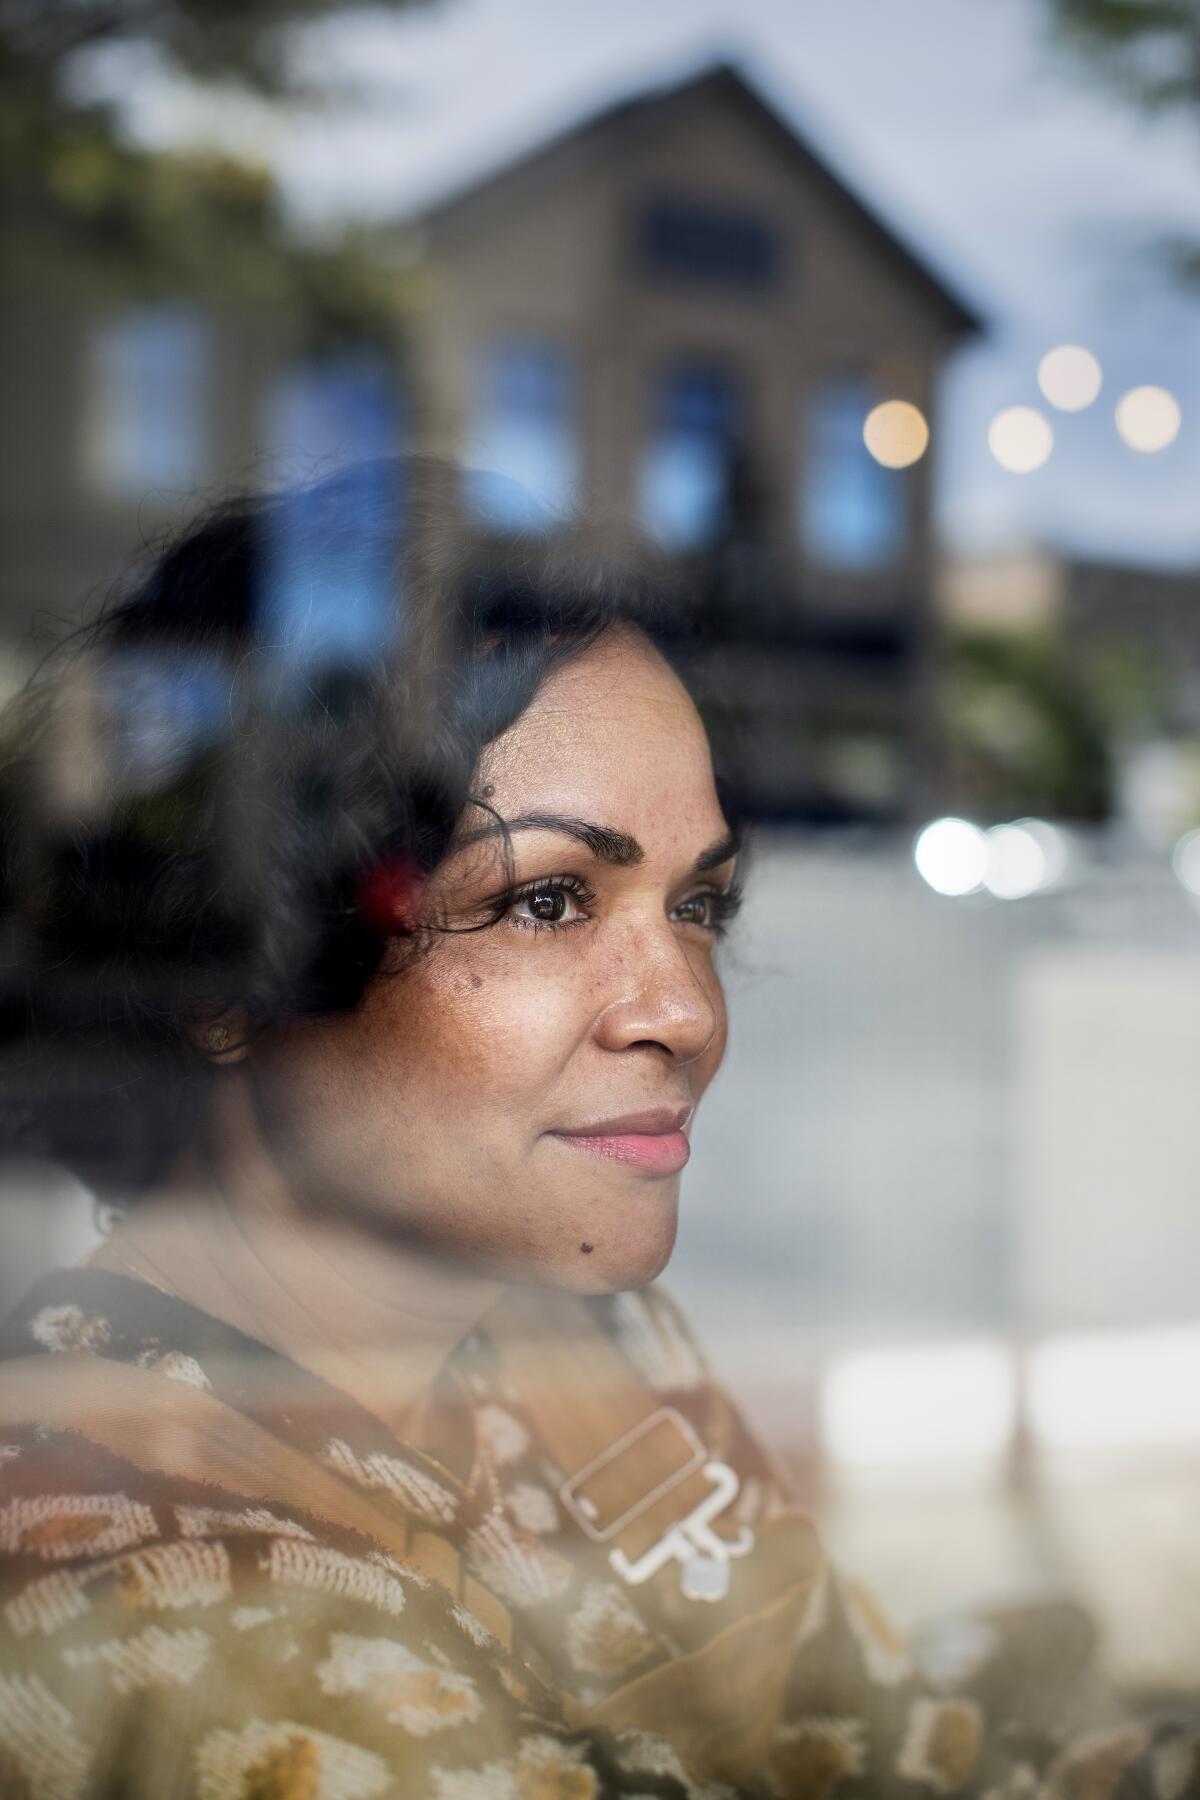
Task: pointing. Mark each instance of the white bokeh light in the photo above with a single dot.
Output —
(1016, 863)
(896, 434)
(1020, 438)
(1186, 862)
(1095, 1392)
(919, 1405)
(952, 856)
(1069, 376)
(1024, 857)
(1148, 418)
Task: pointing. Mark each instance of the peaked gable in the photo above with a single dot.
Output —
(646, 114)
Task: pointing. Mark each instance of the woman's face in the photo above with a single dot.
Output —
(521, 1095)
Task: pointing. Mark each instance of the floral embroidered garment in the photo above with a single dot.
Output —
(224, 1578)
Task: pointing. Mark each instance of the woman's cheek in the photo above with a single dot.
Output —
(491, 1020)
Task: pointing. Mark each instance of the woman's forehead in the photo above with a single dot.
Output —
(613, 727)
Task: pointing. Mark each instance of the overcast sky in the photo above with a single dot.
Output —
(1036, 192)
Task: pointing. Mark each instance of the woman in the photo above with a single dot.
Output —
(379, 986)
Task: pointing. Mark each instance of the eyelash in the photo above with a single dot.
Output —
(723, 904)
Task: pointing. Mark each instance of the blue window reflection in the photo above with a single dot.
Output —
(147, 424)
(334, 605)
(522, 446)
(683, 481)
(853, 512)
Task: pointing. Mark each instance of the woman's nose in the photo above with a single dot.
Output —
(662, 1002)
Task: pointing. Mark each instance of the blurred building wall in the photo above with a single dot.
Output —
(124, 416)
(686, 249)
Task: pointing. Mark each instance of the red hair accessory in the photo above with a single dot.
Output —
(389, 895)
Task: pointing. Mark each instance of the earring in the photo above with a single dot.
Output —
(216, 1038)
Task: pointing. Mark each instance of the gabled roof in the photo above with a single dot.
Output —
(645, 112)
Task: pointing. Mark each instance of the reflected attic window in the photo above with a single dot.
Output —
(692, 240)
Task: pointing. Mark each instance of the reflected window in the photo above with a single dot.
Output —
(853, 512)
(695, 241)
(335, 606)
(332, 411)
(147, 423)
(683, 481)
(522, 447)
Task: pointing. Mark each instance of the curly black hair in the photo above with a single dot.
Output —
(197, 785)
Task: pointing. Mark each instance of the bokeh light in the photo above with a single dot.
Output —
(952, 856)
(1070, 377)
(896, 433)
(1016, 864)
(1091, 1392)
(1148, 418)
(1025, 857)
(1186, 862)
(1020, 439)
(919, 1404)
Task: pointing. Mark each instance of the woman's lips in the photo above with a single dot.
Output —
(652, 1141)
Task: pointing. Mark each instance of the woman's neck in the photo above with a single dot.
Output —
(372, 1316)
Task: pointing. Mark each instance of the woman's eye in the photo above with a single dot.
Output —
(547, 905)
(698, 909)
(712, 909)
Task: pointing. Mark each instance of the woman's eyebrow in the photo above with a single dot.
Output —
(723, 851)
(606, 842)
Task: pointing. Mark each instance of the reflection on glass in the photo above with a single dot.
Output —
(1069, 377)
(523, 436)
(147, 424)
(332, 610)
(854, 512)
(1148, 418)
(683, 481)
(952, 856)
(919, 1405)
(896, 434)
(1020, 439)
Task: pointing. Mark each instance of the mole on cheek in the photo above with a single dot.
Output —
(587, 1248)
(476, 981)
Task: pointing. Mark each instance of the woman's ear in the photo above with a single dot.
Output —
(222, 1038)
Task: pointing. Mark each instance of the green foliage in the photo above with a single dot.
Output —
(1026, 730)
(1149, 48)
(245, 40)
(84, 206)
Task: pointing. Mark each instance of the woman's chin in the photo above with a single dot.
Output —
(630, 1255)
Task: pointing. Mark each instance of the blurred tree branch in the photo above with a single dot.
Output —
(1149, 49)
(243, 40)
(83, 204)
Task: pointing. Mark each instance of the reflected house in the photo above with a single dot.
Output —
(671, 320)
(676, 314)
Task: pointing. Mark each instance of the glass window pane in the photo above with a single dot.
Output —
(522, 446)
(147, 422)
(853, 512)
(342, 413)
(683, 479)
